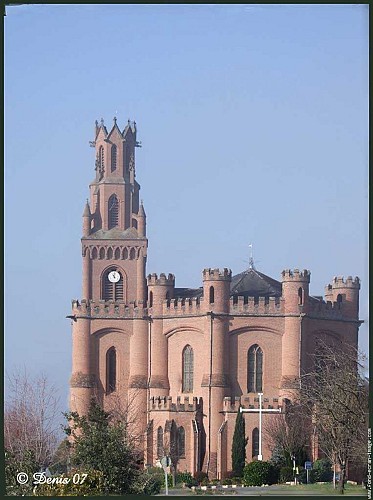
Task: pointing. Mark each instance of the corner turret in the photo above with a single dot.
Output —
(295, 290)
(216, 289)
(160, 288)
(345, 292)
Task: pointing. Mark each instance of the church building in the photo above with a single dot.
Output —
(178, 362)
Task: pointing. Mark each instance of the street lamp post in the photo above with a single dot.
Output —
(260, 456)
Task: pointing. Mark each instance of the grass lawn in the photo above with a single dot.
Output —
(322, 489)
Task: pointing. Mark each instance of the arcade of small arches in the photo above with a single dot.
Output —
(112, 252)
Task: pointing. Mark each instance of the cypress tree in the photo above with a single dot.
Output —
(239, 445)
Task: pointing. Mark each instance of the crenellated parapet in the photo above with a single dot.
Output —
(108, 309)
(296, 275)
(180, 307)
(261, 306)
(327, 310)
(162, 280)
(166, 403)
(232, 405)
(340, 282)
(217, 274)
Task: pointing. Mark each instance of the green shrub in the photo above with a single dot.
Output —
(258, 473)
(205, 481)
(286, 474)
(92, 485)
(184, 477)
(227, 481)
(158, 472)
(200, 476)
(322, 470)
(147, 484)
(236, 480)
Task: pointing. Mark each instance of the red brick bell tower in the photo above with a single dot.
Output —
(114, 249)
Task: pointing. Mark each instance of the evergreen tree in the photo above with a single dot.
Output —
(239, 445)
(100, 445)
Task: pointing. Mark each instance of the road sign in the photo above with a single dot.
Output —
(308, 465)
(166, 461)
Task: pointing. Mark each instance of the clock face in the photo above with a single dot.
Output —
(114, 276)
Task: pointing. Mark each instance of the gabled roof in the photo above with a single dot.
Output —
(252, 283)
(115, 128)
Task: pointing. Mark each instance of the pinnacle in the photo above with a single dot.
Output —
(87, 211)
(141, 209)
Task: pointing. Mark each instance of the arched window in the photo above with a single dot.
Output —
(235, 299)
(101, 160)
(300, 296)
(181, 442)
(339, 298)
(150, 299)
(111, 370)
(160, 442)
(132, 254)
(112, 289)
(113, 207)
(255, 441)
(113, 157)
(212, 295)
(254, 369)
(188, 367)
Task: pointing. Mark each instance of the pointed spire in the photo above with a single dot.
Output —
(115, 120)
(87, 211)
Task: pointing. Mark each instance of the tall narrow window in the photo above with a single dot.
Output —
(113, 207)
(188, 367)
(112, 285)
(339, 298)
(254, 369)
(101, 160)
(300, 296)
(255, 442)
(212, 295)
(111, 370)
(113, 157)
(160, 442)
(150, 299)
(181, 442)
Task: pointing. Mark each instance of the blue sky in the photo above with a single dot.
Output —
(254, 125)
